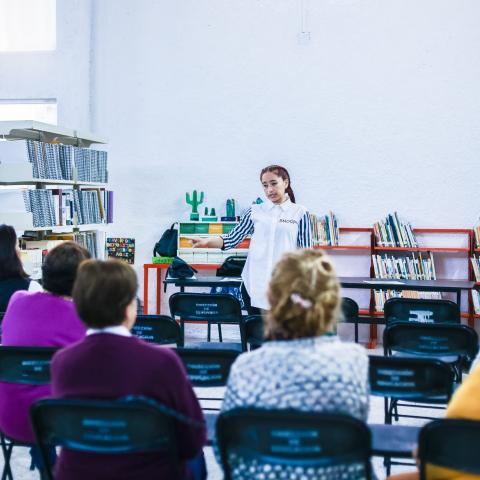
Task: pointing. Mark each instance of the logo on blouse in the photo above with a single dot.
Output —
(283, 220)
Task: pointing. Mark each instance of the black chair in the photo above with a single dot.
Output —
(27, 366)
(207, 367)
(420, 380)
(286, 439)
(134, 424)
(454, 344)
(158, 329)
(349, 310)
(251, 332)
(215, 308)
(450, 443)
(420, 310)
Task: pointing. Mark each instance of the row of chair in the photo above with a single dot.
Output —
(278, 438)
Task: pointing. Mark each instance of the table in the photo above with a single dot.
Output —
(455, 286)
(396, 441)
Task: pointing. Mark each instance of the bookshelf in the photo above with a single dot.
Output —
(52, 183)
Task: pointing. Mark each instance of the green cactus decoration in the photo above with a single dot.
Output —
(230, 207)
(194, 202)
(212, 212)
(205, 212)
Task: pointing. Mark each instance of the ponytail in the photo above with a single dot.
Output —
(281, 172)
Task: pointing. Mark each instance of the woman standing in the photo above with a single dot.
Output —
(276, 226)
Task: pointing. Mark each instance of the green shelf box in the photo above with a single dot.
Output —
(228, 227)
(201, 228)
(187, 228)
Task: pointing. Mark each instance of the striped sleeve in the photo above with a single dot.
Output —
(244, 228)
(304, 236)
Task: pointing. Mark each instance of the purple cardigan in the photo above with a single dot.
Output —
(108, 366)
(33, 319)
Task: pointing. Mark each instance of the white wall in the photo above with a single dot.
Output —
(63, 74)
(378, 112)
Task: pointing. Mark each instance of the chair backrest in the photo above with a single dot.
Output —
(349, 309)
(252, 332)
(207, 367)
(215, 307)
(450, 443)
(158, 329)
(413, 379)
(421, 310)
(27, 365)
(134, 424)
(282, 438)
(431, 339)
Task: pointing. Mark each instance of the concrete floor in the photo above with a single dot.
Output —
(21, 457)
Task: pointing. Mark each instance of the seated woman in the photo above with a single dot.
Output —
(12, 274)
(41, 319)
(303, 366)
(111, 363)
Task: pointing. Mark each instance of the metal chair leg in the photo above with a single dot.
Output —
(220, 339)
(7, 448)
(208, 331)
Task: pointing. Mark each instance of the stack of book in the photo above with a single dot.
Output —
(58, 207)
(91, 165)
(476, 231)
(476, 271)
(87, 240)
(324, 230)
(55, 161)
(394, 233)
(412, 267)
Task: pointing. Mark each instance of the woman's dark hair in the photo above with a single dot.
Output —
(59, 269)
(281, 172)
(102, 292)
(10, 263)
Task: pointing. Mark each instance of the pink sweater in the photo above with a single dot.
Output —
(41, 320)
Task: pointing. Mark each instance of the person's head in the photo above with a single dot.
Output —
(10, 264)
(105, 294)
(60, 267)
(304, 296)
(276, 182)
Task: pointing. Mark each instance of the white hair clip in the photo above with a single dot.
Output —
(299, 300)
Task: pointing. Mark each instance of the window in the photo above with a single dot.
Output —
(44, 110)
(27, 25)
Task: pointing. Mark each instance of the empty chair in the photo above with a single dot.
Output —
(159, 329)
(350, 313)
(452, 444)
(207, 367)
(252, 332)
(419, 380)
(253, 443)
(132, 425)
(420, 310)
(214, 308)
(26, 366)
(453, 343)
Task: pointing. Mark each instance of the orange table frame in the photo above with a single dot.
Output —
(158, 284)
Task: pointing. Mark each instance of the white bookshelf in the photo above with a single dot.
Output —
(44, 132)
(16, 170)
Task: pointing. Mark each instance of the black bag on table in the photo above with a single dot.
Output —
(180, 269)
(167, 245)
(232, 267)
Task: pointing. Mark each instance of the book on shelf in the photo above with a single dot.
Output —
(476, 231)
(55, 161)
(476, 267)
(59, 207)
(415, 266)
(324, 230)
(392, 232)
(476, 301)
